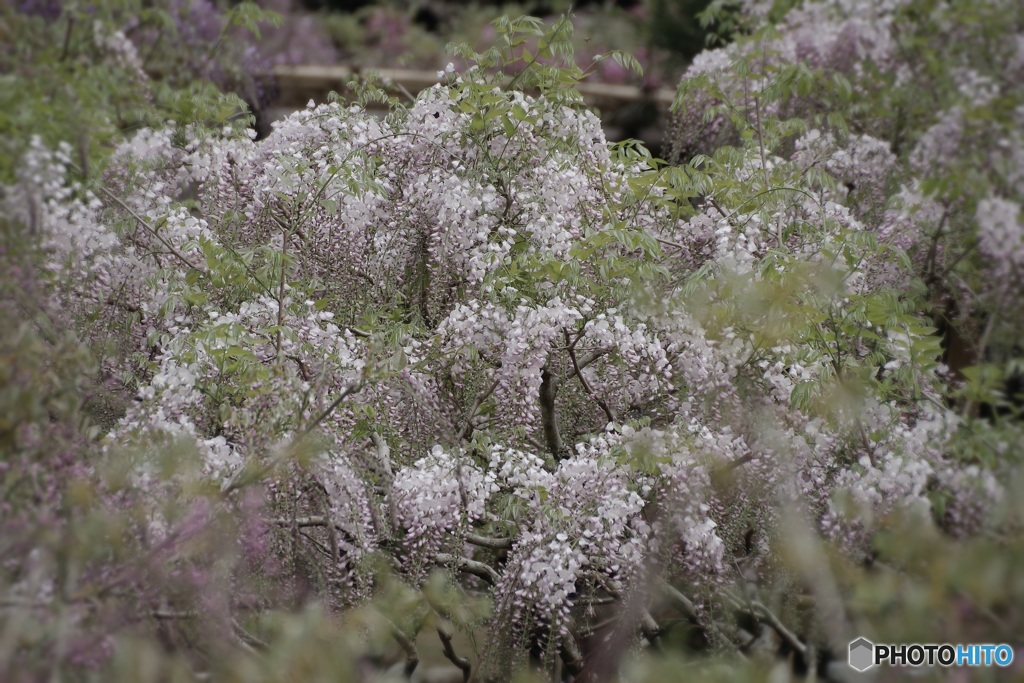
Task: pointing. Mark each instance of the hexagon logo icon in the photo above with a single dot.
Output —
(862, 654)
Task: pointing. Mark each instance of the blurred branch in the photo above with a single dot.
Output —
(810, 562)
(762, 612)
(24, 603)
(302, 521)
(444, 632)
(710, 627)
(412, 657)
(484, 571)
(689, 609)
(649, 626)
(247, 638)
(65, 49)
(489, 542)
(570, 652)
(169, 614)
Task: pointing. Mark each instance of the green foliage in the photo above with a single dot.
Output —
(76, 78)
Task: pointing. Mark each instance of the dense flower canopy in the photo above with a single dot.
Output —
(472, 335)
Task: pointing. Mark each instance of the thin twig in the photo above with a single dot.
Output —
(351, 388)
(584, 362)
(178, 255)
(467, 429)
(583, 380)
(280, 289)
